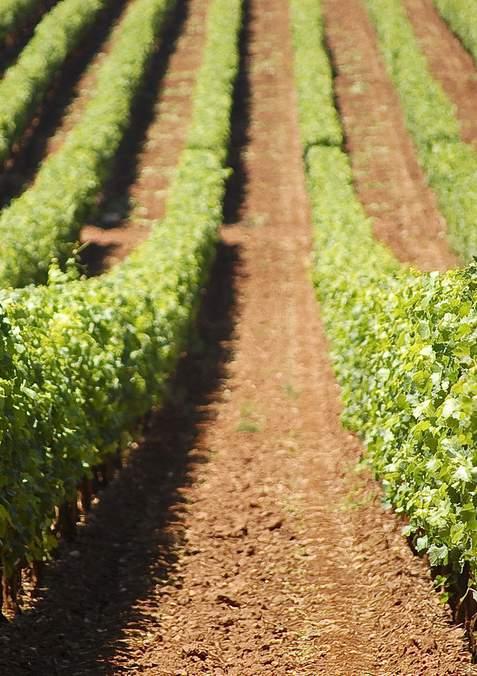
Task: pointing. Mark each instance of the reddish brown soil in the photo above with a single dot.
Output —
(240, 539)
(449, 62)
(137, 194)
(388, 178)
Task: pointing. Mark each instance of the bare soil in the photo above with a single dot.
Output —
(449, 63)
(389, 181)
(241, 539)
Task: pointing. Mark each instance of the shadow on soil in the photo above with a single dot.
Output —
(103, 582)
(239, 136)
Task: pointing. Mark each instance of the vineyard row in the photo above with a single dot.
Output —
(27, 82)
(44, 222)
(83, 360)
(403, 342)
(449, 163)
(15, 13)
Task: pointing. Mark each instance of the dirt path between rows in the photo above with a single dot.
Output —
(136, 195)
(449, 62)
(388, 178)
(239, 540)
(279, 569)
